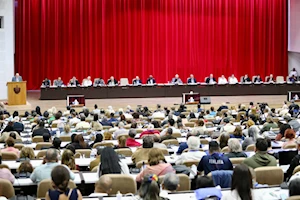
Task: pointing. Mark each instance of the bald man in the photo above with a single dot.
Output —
(103, 185)
(176, 80)
(17, 78)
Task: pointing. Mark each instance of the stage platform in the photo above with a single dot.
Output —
(146, 91)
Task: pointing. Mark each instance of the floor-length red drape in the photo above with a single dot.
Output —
(126, 38)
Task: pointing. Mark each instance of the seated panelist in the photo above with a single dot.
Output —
(151, 80)
(258, 79)
(270, 79)
(210, 79)
(137, 81)
(99, 82)
(58, 82)
(74, 82)
(87, 82)
(232, 80)
(46, 82)
(176, 80)
(112, 81)
(191, 79)
(246, 79)
(222, 80)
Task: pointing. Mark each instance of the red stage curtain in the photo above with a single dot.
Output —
(126, 38)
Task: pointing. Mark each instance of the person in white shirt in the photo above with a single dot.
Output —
(74, 119)
(228, 127)
(75, 102)
(191, 100)
(193, 151)
(241, 184)
(82, 124)
(293, 73)
(222, 80)
(120, 131)
(232, 79)
(96, 110)
(87, 82)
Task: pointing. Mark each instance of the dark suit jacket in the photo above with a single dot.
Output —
(153, 80)
(208, 80)
(257, 80)
(46, 83)
(222, 107)
(135, 82)
(40, 132)
(76, 82)
(190, 80)
(246, 80)
(115, 82)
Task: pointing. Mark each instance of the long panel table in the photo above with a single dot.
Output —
(166, 90)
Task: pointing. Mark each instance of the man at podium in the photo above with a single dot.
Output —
(17, 78)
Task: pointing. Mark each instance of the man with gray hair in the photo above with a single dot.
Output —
(169, 184)
(131, 142)
(193, 151)
(120, 131)
(235, 149)
(43, 171)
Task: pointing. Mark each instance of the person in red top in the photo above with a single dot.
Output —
(130, 142)
(150, 130)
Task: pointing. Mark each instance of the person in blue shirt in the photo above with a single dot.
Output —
(215, 160)
(212, 111)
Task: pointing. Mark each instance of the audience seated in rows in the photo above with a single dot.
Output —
(289, 136)
(98, 138)
(261, 157)
(82, 125)
(10, 143)
(40, 130)
(168, 135)
(27, 153)
(120, 131)
(253, 135)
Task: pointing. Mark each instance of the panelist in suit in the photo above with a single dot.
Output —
(137, 81)
(246, 79)
(17, 78)
(210, 79)
(191, 79)
(99, 82)
(232, 79)
(270, 79)
(46, 82)
(74, 82)
(176, 80)
(258, 79)
(87, 82)
(293, 79)
(151, 80)
(112, 81)
(222, 80)
(58, 82)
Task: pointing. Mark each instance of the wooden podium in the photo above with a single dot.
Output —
(16, 93)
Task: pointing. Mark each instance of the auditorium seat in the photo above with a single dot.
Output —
(177, 135)
(184, 182)
(4, 166)
(279, 79)
(294, 197)
(190, 124)
(42, 145)
(65, 138)
(195, 120)
(37, 139)
(46, 185)
(250, 147)
(124, 82)
(6, 189)
(123, 183)
(291, 146)
(9, 156)
(41, 154)
(204, 141)
(122, 135)
(124, 151)
(85, 152)
(269, 175)
(237, 161)
(225, 150)
(140, 163)
(189, 163)
(170, 142)
(19, 146)
(103, 144)
(77, 155)
(95, 169)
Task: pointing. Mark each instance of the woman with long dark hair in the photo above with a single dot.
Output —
(60, 178)
(241, 186)
(110, 163)
(79, 142)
